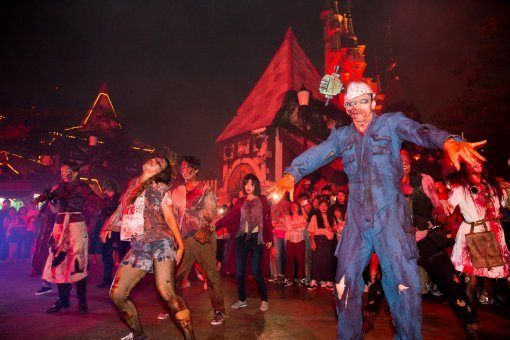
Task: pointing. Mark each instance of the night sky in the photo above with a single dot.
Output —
(178, 70)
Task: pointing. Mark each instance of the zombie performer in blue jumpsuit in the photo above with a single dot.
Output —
(377, 218)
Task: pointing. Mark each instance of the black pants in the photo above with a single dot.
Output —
(64, 292)
(439, 265)
(322, 259)
(245, 245)
(107, 255)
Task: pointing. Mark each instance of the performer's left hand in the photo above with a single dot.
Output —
(456, 151)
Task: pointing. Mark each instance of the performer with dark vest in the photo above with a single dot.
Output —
(67, 262)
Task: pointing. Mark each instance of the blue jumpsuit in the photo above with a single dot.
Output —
(377, 217)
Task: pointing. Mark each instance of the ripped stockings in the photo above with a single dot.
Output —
(125, 280)
(128, 277)
(164, 272)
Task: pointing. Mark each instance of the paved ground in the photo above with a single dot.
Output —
(294, 313)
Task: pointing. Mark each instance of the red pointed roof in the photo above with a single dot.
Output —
(288, 70)
(101, 111)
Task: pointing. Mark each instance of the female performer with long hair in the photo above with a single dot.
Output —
(250, 222)
(146, 217)
(479, 206)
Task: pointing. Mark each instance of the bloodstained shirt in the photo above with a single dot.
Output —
(154, 225)
(194, 209)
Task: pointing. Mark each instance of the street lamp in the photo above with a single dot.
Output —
(303, 96)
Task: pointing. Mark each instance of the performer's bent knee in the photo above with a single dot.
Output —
(117, 296)
(182, 314)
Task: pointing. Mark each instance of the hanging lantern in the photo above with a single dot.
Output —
(93, 140)
(303, 96)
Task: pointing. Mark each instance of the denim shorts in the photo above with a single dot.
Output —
(142, 255)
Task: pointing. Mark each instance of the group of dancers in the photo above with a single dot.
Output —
(172, 227)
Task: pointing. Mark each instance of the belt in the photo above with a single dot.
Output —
(480, 222)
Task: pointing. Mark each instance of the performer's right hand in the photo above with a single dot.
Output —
(179, 255)
(104, 235)
(285, 184)
(330, 85)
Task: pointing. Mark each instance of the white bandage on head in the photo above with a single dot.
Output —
(356, 89)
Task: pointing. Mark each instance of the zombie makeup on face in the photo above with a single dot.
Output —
(360, 109)
(67, 174)
(352, 103)
(406, 162)
(187, 171)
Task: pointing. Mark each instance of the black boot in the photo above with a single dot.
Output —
(58, 307)
(81, 289)
(63, 302)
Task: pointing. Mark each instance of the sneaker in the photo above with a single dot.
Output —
(239, 304)
(200, 277)
(302, 282)
(435, 290)
(313, 285)
(163, 315)
(323, 284)
(44, 290)
(281, 278)
(272, 279)
(264, 306)
(218, 318)
(132, 336)
(329, 285)
(287, 283)
(485, 299)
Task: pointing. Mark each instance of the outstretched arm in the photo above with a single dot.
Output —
(457, 151)
(430, 137)
(308, 162)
